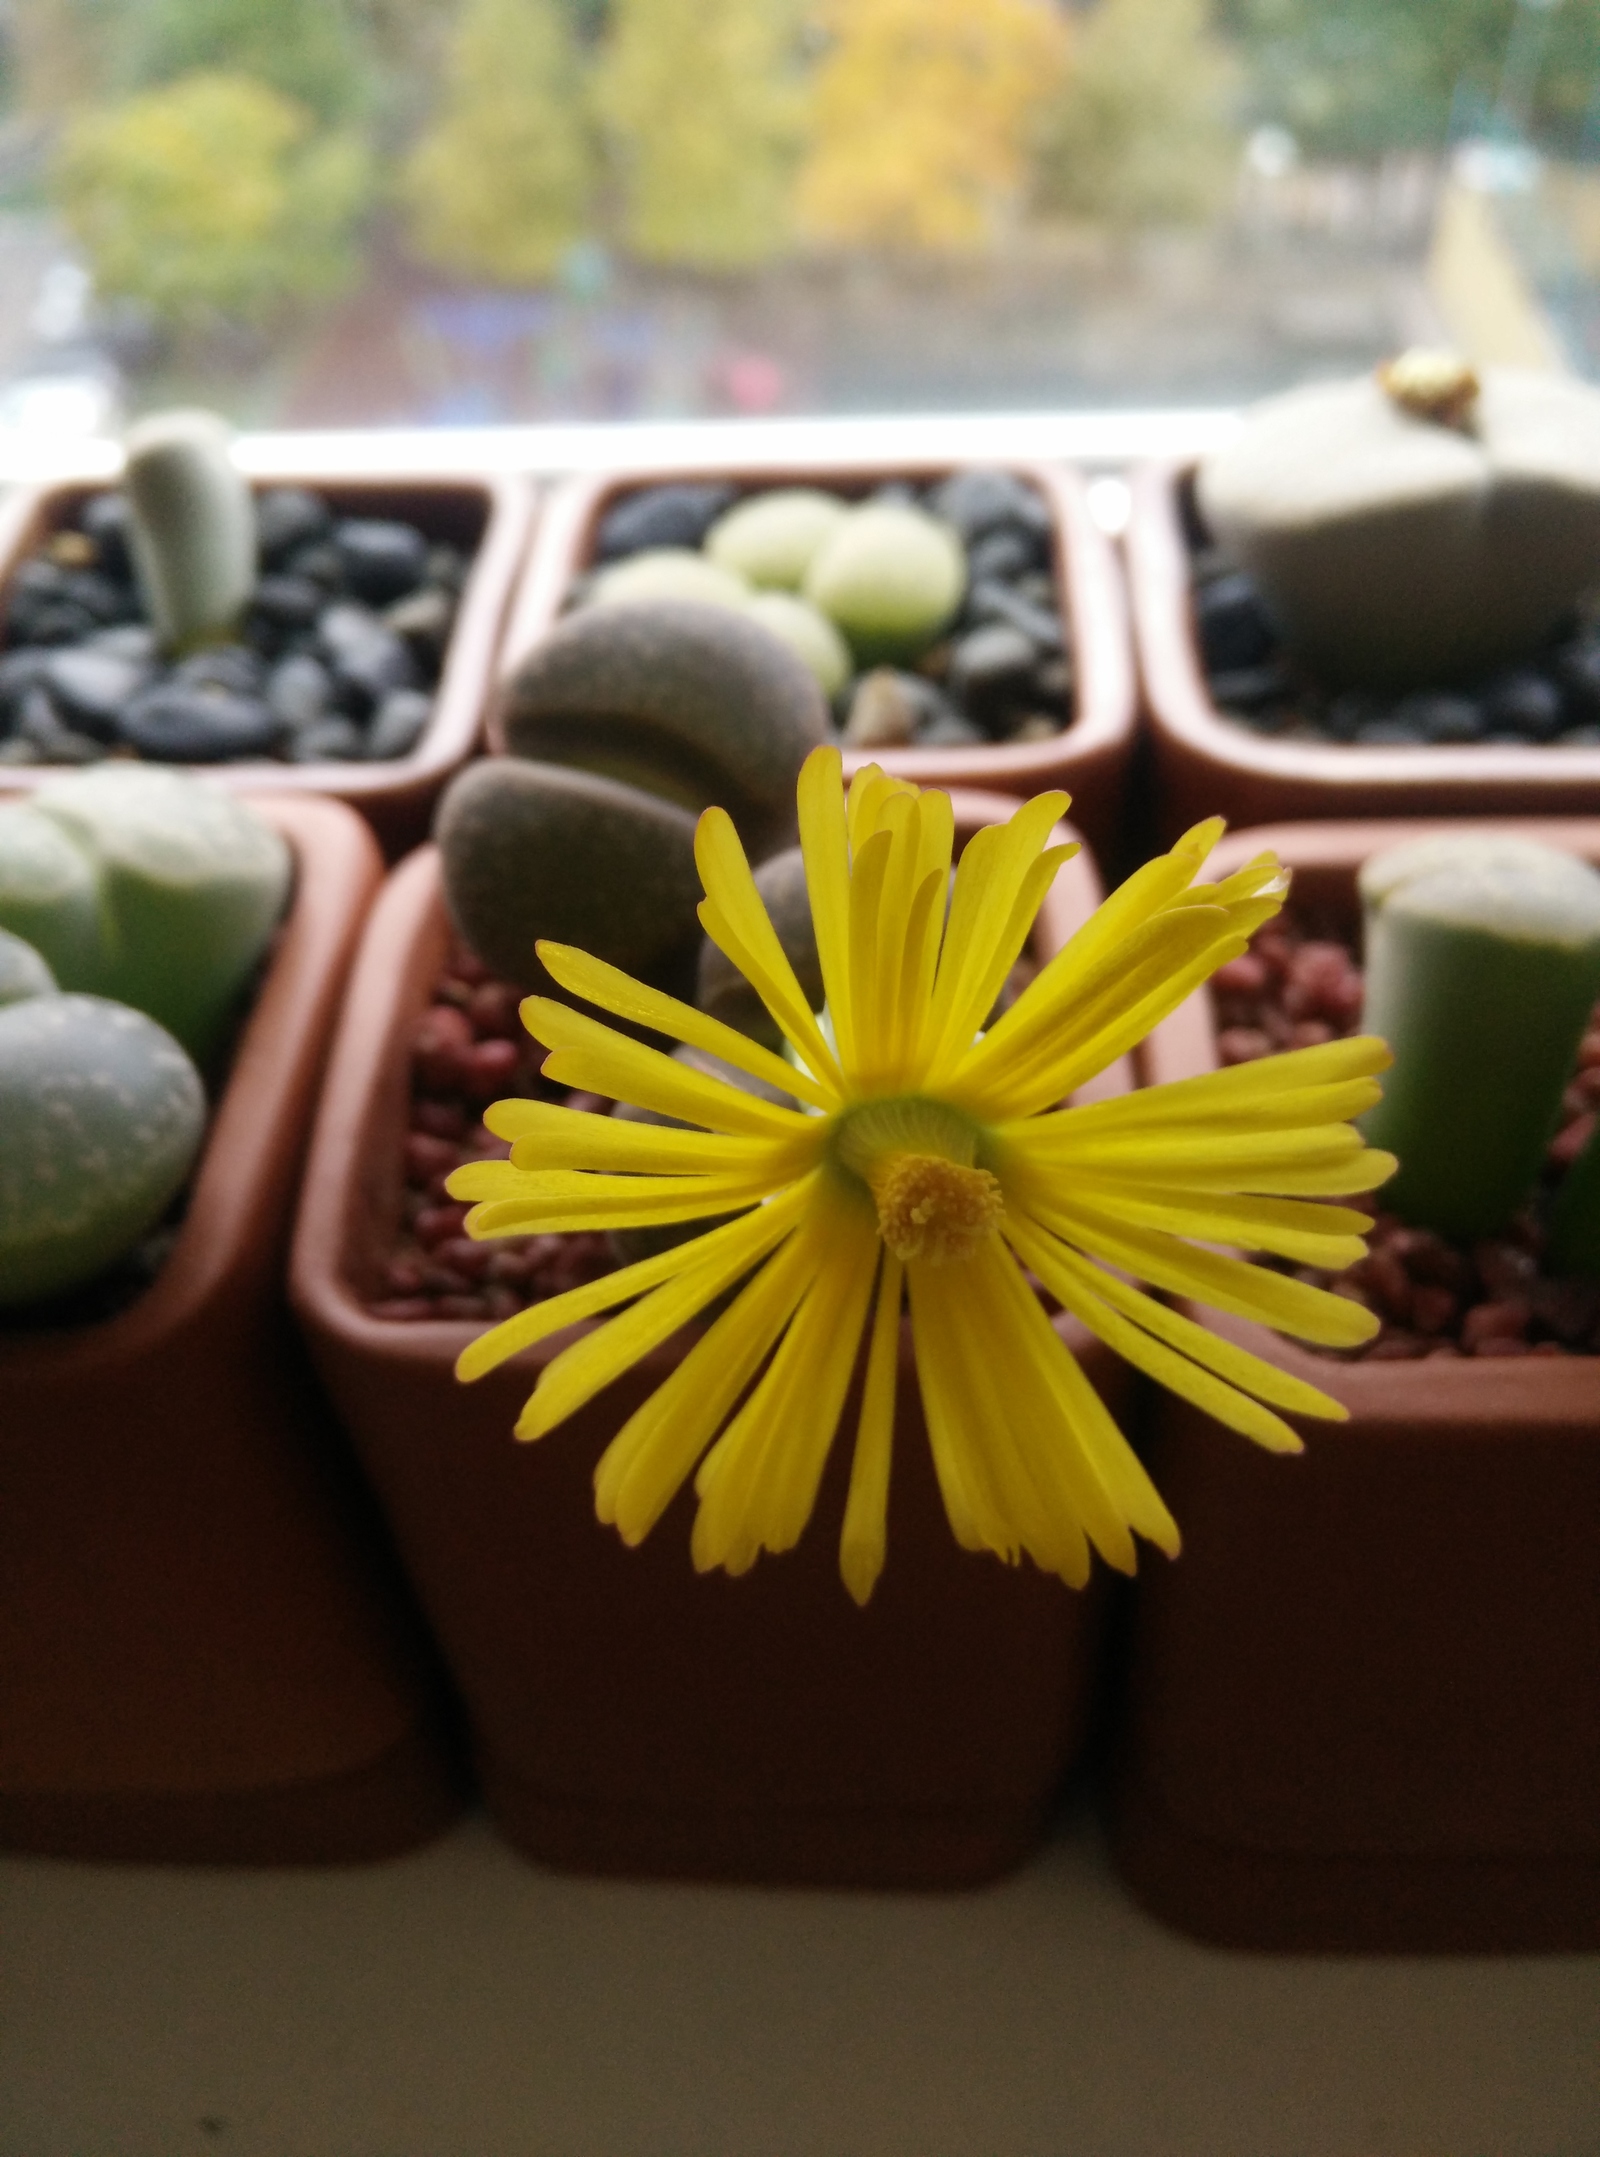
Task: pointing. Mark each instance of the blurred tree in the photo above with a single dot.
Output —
(501, 185)
(1353, 78)
(922, 114)
(309, 50)
(1141, 132)
(702, 103)
(211, 198)
(61, 53)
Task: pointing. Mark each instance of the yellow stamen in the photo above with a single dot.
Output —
(933, 1209)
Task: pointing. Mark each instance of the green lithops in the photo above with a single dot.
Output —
(666, 573)
(192, 527)
(166, 892)
(1482, 966)
(50, 896)
(772, 539)
(101, 1116)
(23, 972)
(809, 635)
(890, 577)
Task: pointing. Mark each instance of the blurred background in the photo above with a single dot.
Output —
(436, 212)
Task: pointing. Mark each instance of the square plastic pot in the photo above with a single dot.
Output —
(1361, 1708)
(627, 1714)
(488, 516)
(205, 1653)
(1089, 758)
(1209, 765)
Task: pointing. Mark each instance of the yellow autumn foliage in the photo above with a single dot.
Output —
(702, 103)
(500, 186)
(921, 118)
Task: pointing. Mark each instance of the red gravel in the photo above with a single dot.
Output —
(468, 1049)
(1300, 984)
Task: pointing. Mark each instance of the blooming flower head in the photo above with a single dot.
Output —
(930, 1162)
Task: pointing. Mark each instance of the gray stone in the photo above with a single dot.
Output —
(678, 514)
(994, 602)
(299, 691)
(988, 663)
(333, 740)
(424, 618)
(383, 559)
(180, 724)
(887, 707)
(398, 724)
(91, 689)
(288, 518)
(695, 703)
(40, 724)
(367, 660)
(978, 501)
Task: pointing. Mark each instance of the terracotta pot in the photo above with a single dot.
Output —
(489, 516)
(1209, 765)
(202, 1653)
(1089, 757)
(1360, 1709)
(629, 1715)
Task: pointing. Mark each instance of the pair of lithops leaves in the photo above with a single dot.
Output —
(1419, 527)
(135, 907)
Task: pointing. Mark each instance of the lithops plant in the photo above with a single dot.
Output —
(771, 539)
(1419, 526)
(533, 850)
(192, 527)
(666, 573)
(694, 703)
(1482, 967)
(890, 578)
(23, 971)
(809, 635)
(101, 1116)
(148, 886)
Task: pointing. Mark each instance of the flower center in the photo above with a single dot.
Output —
(918, 1159)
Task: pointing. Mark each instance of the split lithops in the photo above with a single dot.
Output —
(667, 573)
(147, 886)
(772, 539)
(101, 1117)
(890, 577)
(1419, 527)
(533, 850)
(695, 703)
(1482, 968)
(191, 528)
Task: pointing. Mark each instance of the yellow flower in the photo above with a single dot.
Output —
(930, 1159)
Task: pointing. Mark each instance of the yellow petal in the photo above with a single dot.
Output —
(735, 919)
(595, 1057)
(825, 848)
(555, 1201)
(864, 1538)
(619, 993)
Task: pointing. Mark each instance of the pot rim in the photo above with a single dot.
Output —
(510, 502)
(1089, 588)
(1178, 700)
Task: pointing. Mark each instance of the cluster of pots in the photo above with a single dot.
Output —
(274, 1588)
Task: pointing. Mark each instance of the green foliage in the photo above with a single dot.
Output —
(1141, 132)
(211, 198)
(1364, 76)
(501, 184)
(307, 50)
(702, 105)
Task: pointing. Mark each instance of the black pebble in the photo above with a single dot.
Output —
(1249, 689)
(1525, 703)
(1234, 629)
(288, 602)
(992, 602)
(676, 515)
(981, 500)
(367, 660)
(1438, 716)
(104, 519)
(1001, 554)
(1390, 733)
(299, 691)
(233, 668)
(1579, 671)
(288, 518)
(184, 725)
(398, 723)
(334, 740)
(321, 561)
(990, 661)
(383, 559)
(92, 688)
